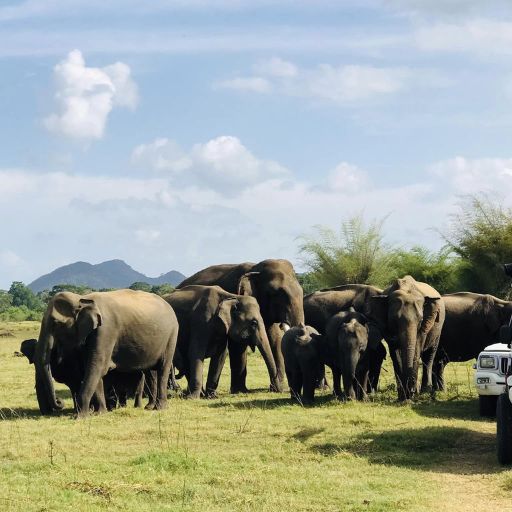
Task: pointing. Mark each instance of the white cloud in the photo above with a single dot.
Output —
(222, 164)
(347, 178)
(85, 96)
(95, 218)
(252, 84)
(343, 85)
(470, 176)
(275, 67)
(475, 36)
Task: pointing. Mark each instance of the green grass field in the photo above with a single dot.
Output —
(250, 452)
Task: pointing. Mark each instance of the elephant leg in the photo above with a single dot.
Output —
(173, 383)
(150, 385)
(238, 365)
(361, 384)
(93, 383)
(375, 365)
(163, 370)
(295, 384)
(308, 384)
(397, 367)
(438, 367)
(195, 378)
(111, 397)
(214, 372)
(275, 336)
(139, 392)
(336, 383)
(428, 362)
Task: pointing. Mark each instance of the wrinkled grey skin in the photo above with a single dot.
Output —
(274, 285)
(303, 362)
(472, 322)
(211, 321)
(348, 352)
(124, 329)
(410, 314)
(321, 306)
(118, 387)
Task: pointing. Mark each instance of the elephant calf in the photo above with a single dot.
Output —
(302, 361)
(348, 350)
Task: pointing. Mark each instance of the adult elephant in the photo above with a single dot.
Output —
(321, 306)
(472, 322)
(69, 370)
(125, 330)
(274, 285)
(211, 320)
(410, 314)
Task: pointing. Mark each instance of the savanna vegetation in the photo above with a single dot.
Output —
(254, 452)
(477, 242)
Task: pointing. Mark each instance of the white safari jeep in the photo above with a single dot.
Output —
(491, 368)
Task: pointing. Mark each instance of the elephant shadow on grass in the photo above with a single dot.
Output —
(17, 413)
(268, 403)
(463, 409)
(440, 449)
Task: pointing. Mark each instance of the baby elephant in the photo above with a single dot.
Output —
(349, 345)
(302, 360)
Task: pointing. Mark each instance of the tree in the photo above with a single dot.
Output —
(5, 301)
(22, 295)
(162, 289)
(79, 289)
(140, 285)
(439, 269)
(481, 235)
(357, 254)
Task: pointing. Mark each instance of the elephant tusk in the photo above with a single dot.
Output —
(284, 326)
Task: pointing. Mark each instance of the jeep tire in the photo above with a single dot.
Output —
(504, 429)
(487, 405)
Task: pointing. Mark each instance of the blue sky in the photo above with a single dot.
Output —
(178, 134)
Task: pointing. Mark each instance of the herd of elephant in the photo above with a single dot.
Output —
(108, 346)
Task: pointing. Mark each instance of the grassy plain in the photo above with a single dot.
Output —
(254, 452)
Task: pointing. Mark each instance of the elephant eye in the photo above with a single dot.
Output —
(254, 323)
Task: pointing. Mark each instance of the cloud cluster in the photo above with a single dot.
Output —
(343, 85)
(222, 164)
(85, 96)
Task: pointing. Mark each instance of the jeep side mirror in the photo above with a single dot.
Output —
(505, 334)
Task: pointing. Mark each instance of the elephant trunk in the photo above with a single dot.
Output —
(263, 345)
(408, 341)
(46, 398)
(350, 361)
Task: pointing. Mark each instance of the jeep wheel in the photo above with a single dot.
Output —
(487, 405)
(504, 429)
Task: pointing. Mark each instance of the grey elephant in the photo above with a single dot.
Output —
(321, 306)
(211, 321)
(303, 362)
(69, 370)
(410, 314)
(274, 285)
(125, 330)
(472, 322)
(348, 350)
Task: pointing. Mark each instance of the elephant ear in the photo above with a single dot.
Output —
(431, 309)
(225, 311)
(64, 309)
(28, 349)
(247, 284)
(87, 320)
(378, 311)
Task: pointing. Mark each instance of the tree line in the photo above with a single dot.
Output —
(477, 241)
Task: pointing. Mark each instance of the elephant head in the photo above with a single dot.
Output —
(274, 285)
(492, 313)
(350, 336)
(68, 321)
(242, 322)
(406, 312)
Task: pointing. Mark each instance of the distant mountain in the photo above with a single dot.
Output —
(109, 274)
